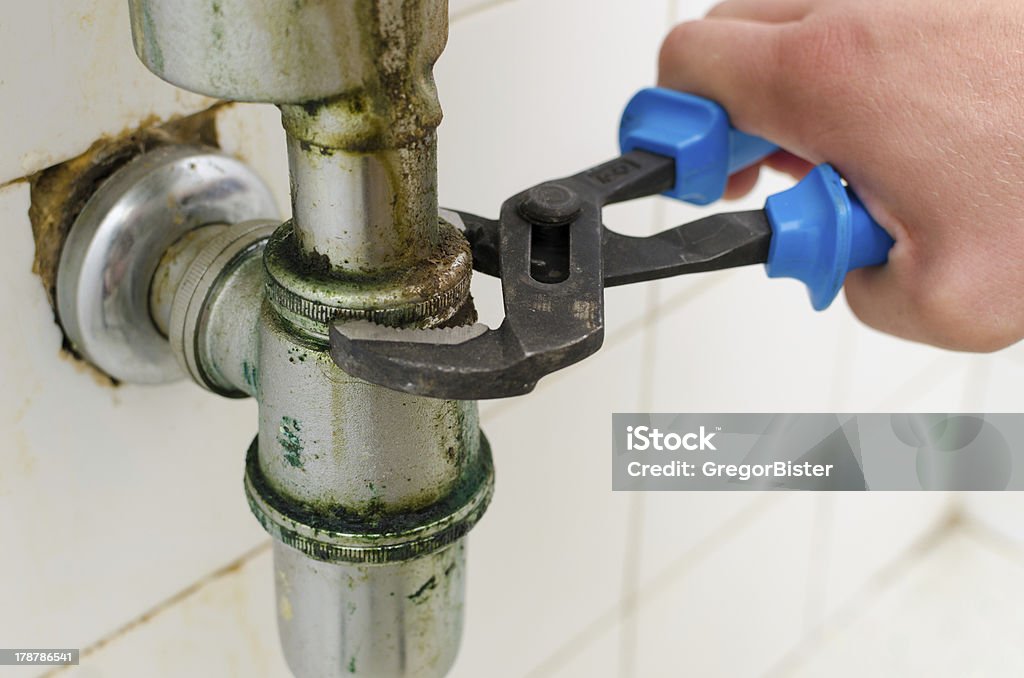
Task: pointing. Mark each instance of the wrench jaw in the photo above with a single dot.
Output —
(554, 257)
(547, 251)
(547, 326)
(461, 363)
(484, 238)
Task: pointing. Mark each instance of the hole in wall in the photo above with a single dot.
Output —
(59, 193)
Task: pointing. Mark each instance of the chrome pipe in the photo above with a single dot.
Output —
(368, 493)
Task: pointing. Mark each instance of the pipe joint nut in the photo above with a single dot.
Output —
(336, 535)
(310, 297)
(205, 278)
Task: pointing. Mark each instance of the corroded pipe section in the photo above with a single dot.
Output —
(355, 85)
(364, 213)
(364, 163)
(368, 493)
(330, 440)
(171, 270)
(368, 620)
(215, 280)
(276, 52)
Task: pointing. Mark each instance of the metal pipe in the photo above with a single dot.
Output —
(216, 304)
(358, 101)
(171, 270)
(364, 212)
(107, 275)
(368, 492)
(337, 620)
(385, 486)
(328, 439)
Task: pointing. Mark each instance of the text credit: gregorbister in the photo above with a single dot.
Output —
(710, 469)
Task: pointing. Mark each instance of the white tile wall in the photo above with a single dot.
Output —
(1000, 512)
(69, 75)
(177, 641)
(1002, 376)
(547, 558)
(856, 547)
(955, 611)
(119, 507)
(112, 499)
(731, 614)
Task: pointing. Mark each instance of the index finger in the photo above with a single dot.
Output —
(771, 11)
(735, 63)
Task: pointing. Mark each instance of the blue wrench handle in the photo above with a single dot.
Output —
(820, 229)
(696, 133)
(820, 232)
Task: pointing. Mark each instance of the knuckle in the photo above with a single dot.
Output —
(821, 50)
(816, 64)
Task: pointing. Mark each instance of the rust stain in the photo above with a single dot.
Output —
(19, 180)
(284, 606)
(59, 193)
(24, 462)
(197, 588)
(101, 378)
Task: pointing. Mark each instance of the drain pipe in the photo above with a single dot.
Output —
(368, 493)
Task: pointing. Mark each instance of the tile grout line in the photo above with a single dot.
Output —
(18, 180)
(628, 628)
(629, 624)
(168, 603)
(478, 8)
(977, 383)
(846, 350)
(993, 540)
(648, 592)
(921, 381)
(816, 593)
(671, 305)
(728, 532)
(868, 595)
(140, 123)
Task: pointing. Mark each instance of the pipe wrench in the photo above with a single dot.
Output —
(554, 255)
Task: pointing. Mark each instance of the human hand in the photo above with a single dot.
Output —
(920, 105)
